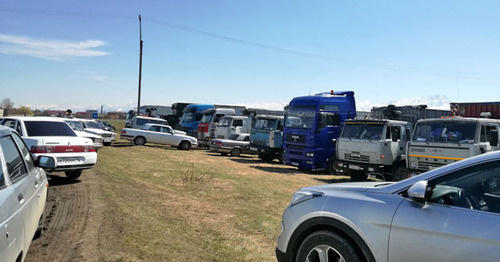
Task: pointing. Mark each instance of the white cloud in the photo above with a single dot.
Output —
(432, 102)
(49, 49)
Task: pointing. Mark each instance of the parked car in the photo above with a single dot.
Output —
(235, 145)
(77, 126)
(159, 134)
(92, 126)
(23, 192)
(50, 136)
(106, 125)
(450, 213)
(138, 121)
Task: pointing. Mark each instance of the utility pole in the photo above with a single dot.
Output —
(140, 66)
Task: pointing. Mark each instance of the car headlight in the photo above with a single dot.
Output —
(309, 154)
(303, 195)
(413, 164)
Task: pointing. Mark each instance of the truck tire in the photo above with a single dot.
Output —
(140, 141)
(266, 157)
(331, 166)
(74, 174)
(400, 173)
(358, 176)
(332, 246)
(235, 152)
(184, 145)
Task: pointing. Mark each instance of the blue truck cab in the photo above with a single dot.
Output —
(312, 125)
(266, 138)
(191, 117)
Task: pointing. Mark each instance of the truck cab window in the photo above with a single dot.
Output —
(489, 134)
(328, 119)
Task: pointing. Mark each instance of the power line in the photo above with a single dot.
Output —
(67, 13)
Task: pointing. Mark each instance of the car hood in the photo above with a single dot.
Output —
(351, 186)
(86, 134)
(97, 131)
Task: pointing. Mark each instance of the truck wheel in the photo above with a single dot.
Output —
(266, 157)
(140, 141)
(400, 173)
(73, 174)
(331, 166)
(358, 176)
(235, 152)
(184, 145)
(326, 245)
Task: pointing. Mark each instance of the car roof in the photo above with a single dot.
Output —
(5, 131)
(36, 118)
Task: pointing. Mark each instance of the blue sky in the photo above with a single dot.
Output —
(83, 54)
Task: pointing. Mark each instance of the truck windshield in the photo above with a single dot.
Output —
(225, 122)
(362, 131)
(301, 117)
(207, 118)
(265, 124)
(187, 117)
(445, 131)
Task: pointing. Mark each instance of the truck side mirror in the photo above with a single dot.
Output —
(396, 134)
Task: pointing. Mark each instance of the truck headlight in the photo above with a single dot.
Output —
(303, 195)
(413, 164)
(309, 154)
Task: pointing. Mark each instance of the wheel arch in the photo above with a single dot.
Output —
(400, 160)
(326, 223)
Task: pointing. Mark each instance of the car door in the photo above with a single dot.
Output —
(18, 217)
(460, 221)
(154, 134)
(168, 137)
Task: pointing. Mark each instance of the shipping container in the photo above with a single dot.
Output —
(475, 109)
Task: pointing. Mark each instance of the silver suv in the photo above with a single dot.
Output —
(23, 191)
(448, 214)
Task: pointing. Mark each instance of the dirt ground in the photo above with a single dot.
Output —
(72, 221)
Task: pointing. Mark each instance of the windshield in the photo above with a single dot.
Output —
(445, 131)
(207, 118)
(362, 131)
(187, 117)
(265, 124)
(301, 117)
(225, 122)
(92, 124)
(76, 125)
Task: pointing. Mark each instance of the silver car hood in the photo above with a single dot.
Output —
(351, 186)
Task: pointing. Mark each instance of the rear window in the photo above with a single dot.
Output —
(47, 128)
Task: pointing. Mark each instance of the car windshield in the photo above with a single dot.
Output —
(92, 124)
(362, 131)
(265, 124)
(445, 131)
(48, 128)
(76, 125)
(301, 117)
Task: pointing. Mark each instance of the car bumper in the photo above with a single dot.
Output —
(73, 161)
(345, 166)
(220, 149)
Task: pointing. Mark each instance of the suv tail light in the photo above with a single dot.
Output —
(61, 149)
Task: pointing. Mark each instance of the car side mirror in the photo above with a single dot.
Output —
(45, 162)
(417, 191)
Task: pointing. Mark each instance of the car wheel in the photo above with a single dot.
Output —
(184, 145)
(39, 229)
(73, 174)
(358, 176)
(400, 173)
(140, 141)
(322, 246)
(235, 152)
(106, 143)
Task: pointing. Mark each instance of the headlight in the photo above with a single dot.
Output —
(301, 196)
(309, 154)
(413, 164)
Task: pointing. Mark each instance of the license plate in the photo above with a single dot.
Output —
(253, 149)
(69, 160)
(354, 167)
(295, 164)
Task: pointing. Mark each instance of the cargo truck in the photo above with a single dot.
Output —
(266, 138)
(208, 122)
(438, 142)
(312, 125)
(229, 125)
(191, 117)
(377, 146)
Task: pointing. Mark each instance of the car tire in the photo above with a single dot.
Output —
(140, 141)
(73, 174)
(235, 152)
(358, 176)
(39, 229)
(400, 173)
(184, 145)
(106, 143)
(329, 245)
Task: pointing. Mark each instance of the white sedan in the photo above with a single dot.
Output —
(159, 134)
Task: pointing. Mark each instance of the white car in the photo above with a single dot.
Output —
(50, 136)
(92, 126)
(159, 134)
(77, 126)
(23, 193)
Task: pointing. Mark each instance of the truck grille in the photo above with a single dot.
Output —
(360, 158)
(295, 138)
(429, 166)
(296, 147)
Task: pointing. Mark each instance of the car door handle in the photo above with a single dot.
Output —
(20, 197)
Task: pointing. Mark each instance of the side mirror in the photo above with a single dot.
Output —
(45, 162)
(417, 191)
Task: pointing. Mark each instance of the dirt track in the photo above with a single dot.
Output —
(66, 226)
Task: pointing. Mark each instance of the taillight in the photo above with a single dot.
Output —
(61, 149)
(219, 143)
(124, 132)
